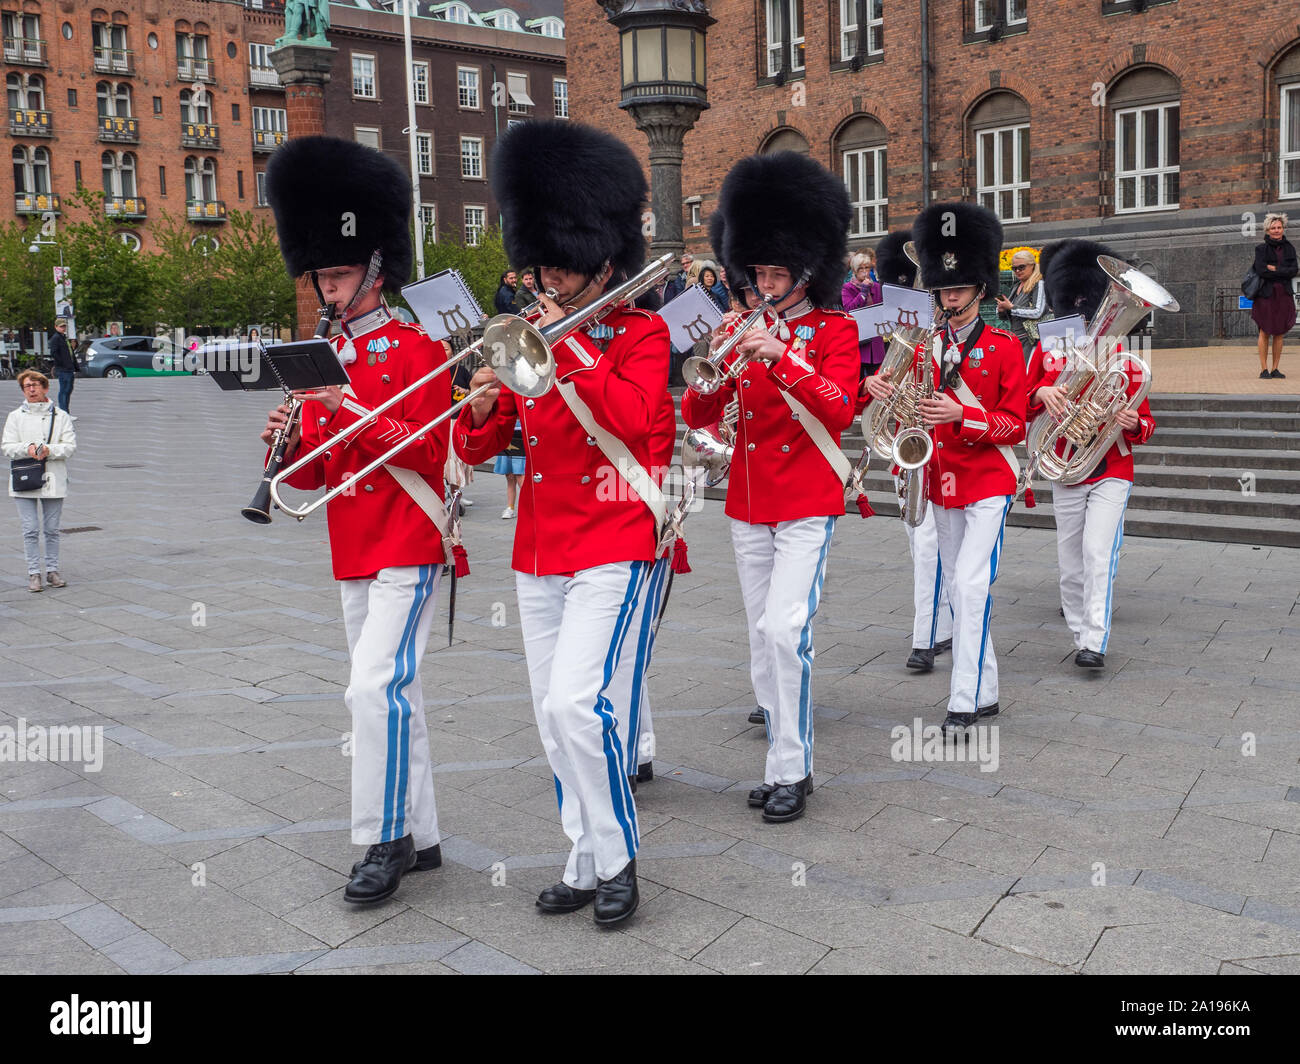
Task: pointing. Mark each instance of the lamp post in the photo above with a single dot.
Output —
(661, 43)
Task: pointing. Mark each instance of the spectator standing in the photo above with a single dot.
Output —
(38, 429)
(526, 294)
(677, 285)
(510, 463)
(65, 367)
(1027, 304)
(1273, 310)
(504, 300)
(714, 287)
(862, 290)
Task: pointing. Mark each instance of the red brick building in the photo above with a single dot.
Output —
(1163, 127)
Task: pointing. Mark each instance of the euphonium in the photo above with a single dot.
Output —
(912, 450)
(703, 450)
(1095, 382)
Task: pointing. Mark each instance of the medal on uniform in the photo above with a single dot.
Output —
(370, 359)
(975, 356)
(805, 332)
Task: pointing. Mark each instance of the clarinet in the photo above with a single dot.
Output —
(259, 510)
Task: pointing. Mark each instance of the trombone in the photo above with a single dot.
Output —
(520, 356)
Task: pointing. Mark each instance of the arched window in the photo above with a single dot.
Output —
(785, 139)
(25, 91)
(113, 99)
(999, 135)
(196, 106)
(1287, 78)
(31, 171)
(14, 91)
(860, 150)
(131, 240)
(1144, 107)
(200, 178)
(119, 174)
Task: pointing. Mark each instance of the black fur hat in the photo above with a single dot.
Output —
(785, 210)
(335, 202)
(570, 196)
(958, 245)
(1075, 283)
(892, 264)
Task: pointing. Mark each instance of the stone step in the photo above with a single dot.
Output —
(1221, 421)
(1284, 480)
(1241, 460)
(1239, 439)
(1283, 404)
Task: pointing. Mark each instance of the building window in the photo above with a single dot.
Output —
(234, 112)
(31, 171)
(110, 51)
(420, 81)
(119, 174)
(196, 106)
(72, 97)
(25, 91)
(471, 157)
(475, 222)
(22, 38)
(157, 105)
(192, 59)
(1002, 172)
(424, 154)
(363, 76)
(560, 94)
(113, 101)
(239, 183)
(873, 43)
(1289, 155)
(547, 27)
(429, 222)
(1146, 158)
(864, 177)
(76, 172)
(696, 211)
(367, 135)
(200, 179)
(520, 102)
(270, 120)
(162, 180)
(988, 13)
(467, 88)
(455, 13)
(784, 36)
(259, 182)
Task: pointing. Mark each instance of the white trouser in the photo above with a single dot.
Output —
(574, 632)
(970, 547)
(629, 688)
(932, 613)
(781, 571)
(1089, 533)
(388, 621)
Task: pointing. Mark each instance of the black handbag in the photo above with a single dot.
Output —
(28, 474)
(1251, 285)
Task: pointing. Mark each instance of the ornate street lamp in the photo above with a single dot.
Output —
(661, 43)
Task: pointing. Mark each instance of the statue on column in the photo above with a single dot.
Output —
(305, 22)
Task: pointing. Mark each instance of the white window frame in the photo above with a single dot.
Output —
(36, 164)
(469, 97)
(1288, 147)
(457, 13)
(201, 177)
(990, 12)
(429, 218)
(697, 212)
(420, 80)
(849, 27)
(424, 154)
(259, 182)
(772, 10)
(875, 203)
(475, 155)
(359, 77)
(358, 130)
(1016, 183)
(1158, 171)
(560, 96)
(259, 56)
(519, 101)
(123, 165)
(271, 119)
(474, 229)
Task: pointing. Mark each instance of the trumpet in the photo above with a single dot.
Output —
(520, 356)
(707, 374)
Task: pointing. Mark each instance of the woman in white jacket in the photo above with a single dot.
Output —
(25, 434)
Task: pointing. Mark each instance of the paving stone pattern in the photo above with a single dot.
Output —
(1141, 819)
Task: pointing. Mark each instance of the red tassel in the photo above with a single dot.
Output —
(864, 507)
(679, 562)
(462, 561)
(1030, 502)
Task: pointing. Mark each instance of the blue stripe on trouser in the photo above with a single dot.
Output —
(644, 648)
(805, 651)
(620, 791)
(988, 600)
(934, 605)
(399, 715)
(1114, 565)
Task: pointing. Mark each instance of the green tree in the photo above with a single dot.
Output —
(26, 277)
(480, 266)
(110, 280)
(185, 276)
(254, 287)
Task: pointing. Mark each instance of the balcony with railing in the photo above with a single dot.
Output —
(29, 51)
(37, 203)
(263, 78)
(205, 211)
(114, 60)
(124, 207)
(189, 68)
(29, 123)
(268, 139)
(115, 129)
(199, 135)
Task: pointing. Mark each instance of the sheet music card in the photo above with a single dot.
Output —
(898, 308)
(691, 317)
(443, 304)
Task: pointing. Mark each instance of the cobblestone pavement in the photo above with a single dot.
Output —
(1141, 819)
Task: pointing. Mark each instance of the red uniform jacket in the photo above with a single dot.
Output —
(1116, 462)
(575, 510)
(379, 525)
(777, 472)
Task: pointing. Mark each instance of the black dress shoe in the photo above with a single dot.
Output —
(921, 659)
(379, 872)
(617, 898)
(787, 801)
(1089, 659)
(631, 783)
(756, 716)
(955, 722)
(645, 773)
(1263, 374)
(759, 795)
(430, 857)
(1278, 375)
(986, 711)
(942, 645)
(563, 898)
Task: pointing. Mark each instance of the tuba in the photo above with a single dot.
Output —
(1066, 449)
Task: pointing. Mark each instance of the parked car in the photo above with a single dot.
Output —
(130, 356)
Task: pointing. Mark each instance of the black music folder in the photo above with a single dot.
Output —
(297, 367)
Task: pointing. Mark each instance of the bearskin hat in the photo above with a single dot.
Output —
(336, 202)
(1075, 283)
(892, 264)
(958, 245)
(571, 196)
(785, 210)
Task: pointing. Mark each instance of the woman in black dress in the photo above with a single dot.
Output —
(1273, 310)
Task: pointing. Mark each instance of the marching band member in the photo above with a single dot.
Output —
(977, 412)
(1090, 514)
(571, 200)
(780, 231)
(343, 218)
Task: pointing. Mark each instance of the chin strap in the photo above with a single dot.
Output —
(367, 283)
